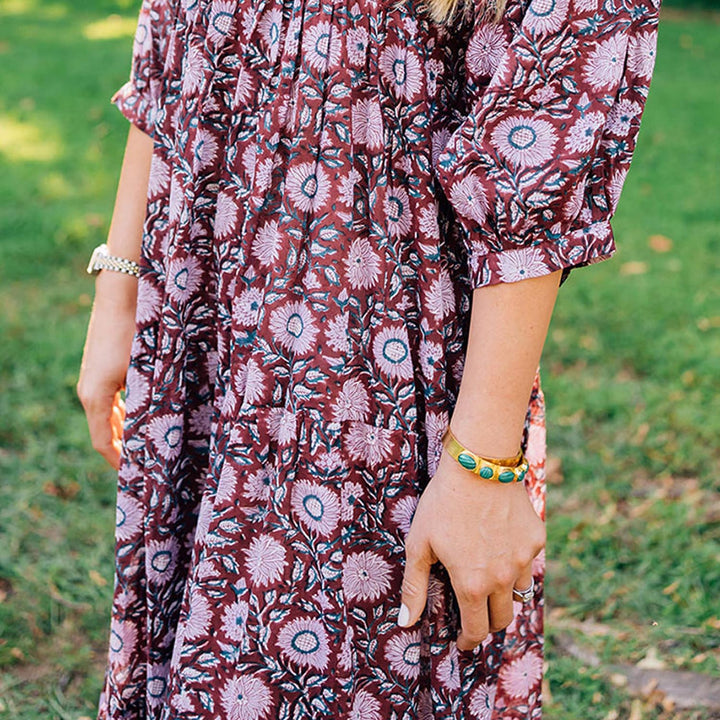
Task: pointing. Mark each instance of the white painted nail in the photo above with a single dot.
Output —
(403, 615)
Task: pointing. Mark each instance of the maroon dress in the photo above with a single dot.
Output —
(330, 182)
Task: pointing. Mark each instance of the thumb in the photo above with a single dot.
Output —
(415, 583)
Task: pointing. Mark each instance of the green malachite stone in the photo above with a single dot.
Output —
(486, 472)
(467, 461)
(507, 476)
(521, 475)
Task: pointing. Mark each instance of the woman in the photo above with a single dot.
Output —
(351, 222)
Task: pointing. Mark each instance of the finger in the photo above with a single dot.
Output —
(500, 608)
(100, 417)
(474, 621)
(525, 578)
(418, 560)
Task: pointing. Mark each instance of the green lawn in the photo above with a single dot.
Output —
(630, 374)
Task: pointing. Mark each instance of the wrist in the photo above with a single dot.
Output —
(116, 292)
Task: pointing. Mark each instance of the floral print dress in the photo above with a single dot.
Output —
(330, 182)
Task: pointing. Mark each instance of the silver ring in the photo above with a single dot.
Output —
(525, 596)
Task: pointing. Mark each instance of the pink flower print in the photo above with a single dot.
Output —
(346, 651)
(581, 137)
(525, 141)
(205, 149)
(193, 70)
(606, 62)
(482, 702)
(365, 707)
(282, 424)
(425, 705)
(397, 211)
(137, 390)
(400, 67)
(350, 493)
(641, 57)
(269, 28)
(227, 484)
(468, 196)
(316, 506)
(305, 642)
(293, 325)
(621, 116)
(250, 382)
(439, 141)
(199, 618)
(448, 671)
(392, 352)
(352, 401)
(177, 199)
(184, 278)
(243, 88)
(123, 641)
(225, 215)
(266, 246)
(546, 16)
(433, 69)
(485, 49)
(128, 516)
(246, 307)
(190, 8)
(368, 443)
(363, 264)
(367, 123)
(258, 486)
(535, 450)
(357, 41)
(160, 559)
(521, 264)
(520, 677)
(183, 702)
(617, 181)
(428, 222)
(265, 560)
(159, 176)
(574, 203)
(148, 301)
(403, 653)
(365, 576)
(308, 186)
(585, 5)
(222, 20)
(441, 296)
(402, 513)
(156, 684)
(337, 333)
(166, 434)
(346, 187)
(246, 698)
(321, 46)
(431, 358)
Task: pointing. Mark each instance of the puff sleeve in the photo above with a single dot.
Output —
(535, 169)
(139, 97)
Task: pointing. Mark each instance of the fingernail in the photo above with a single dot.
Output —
(403, 616)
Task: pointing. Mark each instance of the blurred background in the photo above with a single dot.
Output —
(631, 376)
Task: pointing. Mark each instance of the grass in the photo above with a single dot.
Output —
(630, 374)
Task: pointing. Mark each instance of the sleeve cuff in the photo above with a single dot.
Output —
(586, 246)
(136, 107)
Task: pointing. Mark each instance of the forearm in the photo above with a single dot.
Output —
(126, 227)
(508, 327)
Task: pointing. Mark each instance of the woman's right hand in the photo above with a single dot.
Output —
(105, 361)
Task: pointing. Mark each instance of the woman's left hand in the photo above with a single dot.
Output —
(485, 533)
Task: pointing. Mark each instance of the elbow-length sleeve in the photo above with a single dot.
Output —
(535, 169)
(138, 98)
